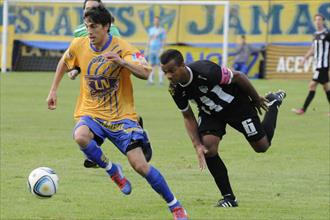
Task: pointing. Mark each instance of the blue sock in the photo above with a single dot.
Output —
(158, 183)
(94, 153)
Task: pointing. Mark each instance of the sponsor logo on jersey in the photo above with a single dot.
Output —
(203, 89)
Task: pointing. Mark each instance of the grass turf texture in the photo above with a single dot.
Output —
(290, 181)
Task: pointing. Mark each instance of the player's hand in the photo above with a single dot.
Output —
(261, 103)
(114, 57)
(52, 100)
(201, 151)
(73, 74)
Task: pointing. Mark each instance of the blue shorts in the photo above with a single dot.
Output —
(153, 59)
(121, 133)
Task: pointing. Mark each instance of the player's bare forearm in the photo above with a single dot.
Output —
(309, 53)
(244, 83)
(52, 96)
(191, 127)
(61, 69)
(140, 71)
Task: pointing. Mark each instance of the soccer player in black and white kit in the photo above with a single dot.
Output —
(321, 51)
(223, 97)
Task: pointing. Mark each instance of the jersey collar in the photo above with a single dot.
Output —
(319, 32)
(106, 45)
(191, 78)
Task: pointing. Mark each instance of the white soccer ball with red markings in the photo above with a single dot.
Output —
(43, 182)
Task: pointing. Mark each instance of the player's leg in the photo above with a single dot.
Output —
(275, 100)
(211, 130)
(326, 89)
(135, 145)
(137, 160)
(152, 62)
(311, 93)
(324, 80)
(259, 134)
(219, 171)
(89, 135)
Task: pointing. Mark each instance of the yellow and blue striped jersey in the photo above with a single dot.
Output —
(106, 90)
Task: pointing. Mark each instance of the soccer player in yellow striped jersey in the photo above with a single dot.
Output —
(105, 107)
(105, 84)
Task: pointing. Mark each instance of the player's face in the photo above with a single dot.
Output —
(156, 21)
(91, 4)
(97, 33)
(319, 23)
(173, 72)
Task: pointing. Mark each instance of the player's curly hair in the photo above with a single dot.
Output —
(171, 54)
(99, 15)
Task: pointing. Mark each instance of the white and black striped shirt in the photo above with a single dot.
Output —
(322, 49)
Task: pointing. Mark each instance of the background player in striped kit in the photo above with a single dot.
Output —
(320, 49)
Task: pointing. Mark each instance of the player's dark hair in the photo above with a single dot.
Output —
(171, 54)
(101, 3)
(319, 15)
(85, 2)
(99, 15)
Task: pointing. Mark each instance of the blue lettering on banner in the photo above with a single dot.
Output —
(130, 26)
(50, 20)
(22, 22)
(302, 20)
(273, 15)
(209, 23)
(63, 23)
(42, 13)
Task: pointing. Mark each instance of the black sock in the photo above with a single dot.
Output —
(269, 122)
(328, 95)
(308, 100)
(219, 172)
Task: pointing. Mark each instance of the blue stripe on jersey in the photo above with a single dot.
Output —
(106, 45)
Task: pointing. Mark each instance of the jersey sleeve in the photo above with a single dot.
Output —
(69, 56)
(179, 98)
(133, 55)
(220, 75)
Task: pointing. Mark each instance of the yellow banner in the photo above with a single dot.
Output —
(261, 21)
(284, 62)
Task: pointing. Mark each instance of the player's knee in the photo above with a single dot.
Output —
(82, 138)
(140, 167)
(262, 148)
(211, 152)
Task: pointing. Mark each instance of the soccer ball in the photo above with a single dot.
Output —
(43, 182)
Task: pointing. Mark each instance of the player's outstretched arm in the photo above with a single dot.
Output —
(192, 129)
(309, 53)
(52, 96)
(244, 83)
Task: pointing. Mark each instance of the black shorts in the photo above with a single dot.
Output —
(244, 118)
(321, 75)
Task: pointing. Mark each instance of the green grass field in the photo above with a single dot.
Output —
(290, 181)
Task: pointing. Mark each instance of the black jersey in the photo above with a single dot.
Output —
(209, 87)
(321, 42)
